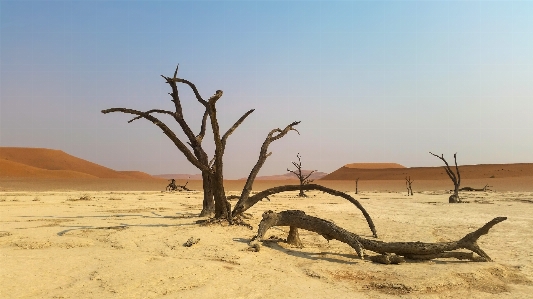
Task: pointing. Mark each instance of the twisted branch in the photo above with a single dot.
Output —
(415, 250)
(242, 206)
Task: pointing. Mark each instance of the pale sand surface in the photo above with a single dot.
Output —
(130, 245)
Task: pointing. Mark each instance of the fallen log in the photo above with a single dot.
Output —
(475, 189)
(411, 250)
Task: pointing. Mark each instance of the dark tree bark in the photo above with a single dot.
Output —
(408, 184)
(304, 179)
(454, 198)
(413, 250)
(208, 204)
(244, 205)
(356, 186)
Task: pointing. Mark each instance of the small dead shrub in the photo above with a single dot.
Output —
(84, 197)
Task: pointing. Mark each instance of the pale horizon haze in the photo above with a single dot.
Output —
(370, 81)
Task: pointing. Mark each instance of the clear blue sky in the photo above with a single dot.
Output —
(371, 81)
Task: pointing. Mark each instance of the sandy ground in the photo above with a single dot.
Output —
(103, 244)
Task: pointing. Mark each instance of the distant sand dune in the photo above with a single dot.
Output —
(48, 163)
(137, 174)
(18, 170)
(433, 173)
(373, 165)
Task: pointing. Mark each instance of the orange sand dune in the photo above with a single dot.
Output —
(18, 170)
(374, 165)
(481, 171)
(48, 163)
(136, 174)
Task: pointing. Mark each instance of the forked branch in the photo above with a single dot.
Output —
(263, 155)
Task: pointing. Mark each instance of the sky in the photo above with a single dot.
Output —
(370, 81)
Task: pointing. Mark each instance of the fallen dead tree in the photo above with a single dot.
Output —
(411, 250)
(475, 189)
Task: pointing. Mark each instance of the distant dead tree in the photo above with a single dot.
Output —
(304, 179)
(356, 185)
(454, 198)
(173, 187)
(408, 183)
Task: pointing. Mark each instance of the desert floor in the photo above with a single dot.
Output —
(129, 244)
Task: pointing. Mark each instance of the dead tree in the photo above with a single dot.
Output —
(412, 250)
(304, 179)
(356, 183)
(215, 201)
(408, 183)
(454, 198)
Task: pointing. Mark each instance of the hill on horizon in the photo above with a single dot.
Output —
(374, 165)
(287, 176)
(349, 172)
(179, 176)
(50, 163)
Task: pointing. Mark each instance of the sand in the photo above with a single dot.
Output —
(129, 244)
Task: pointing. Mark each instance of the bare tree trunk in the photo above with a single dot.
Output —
(356, 185)
(454, 198)
(415, 250)
(242, 206)
(208, 205)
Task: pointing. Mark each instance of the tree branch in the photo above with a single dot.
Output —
(263, 155)
(191, 85)
(170, 134)
(242, 206)
(200, 136)
(457, 169)
(230, 131)
(447, 167)
(148, 112)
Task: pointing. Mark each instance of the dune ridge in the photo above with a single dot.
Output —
(480, 171)
(373, 165)
(50, 163)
